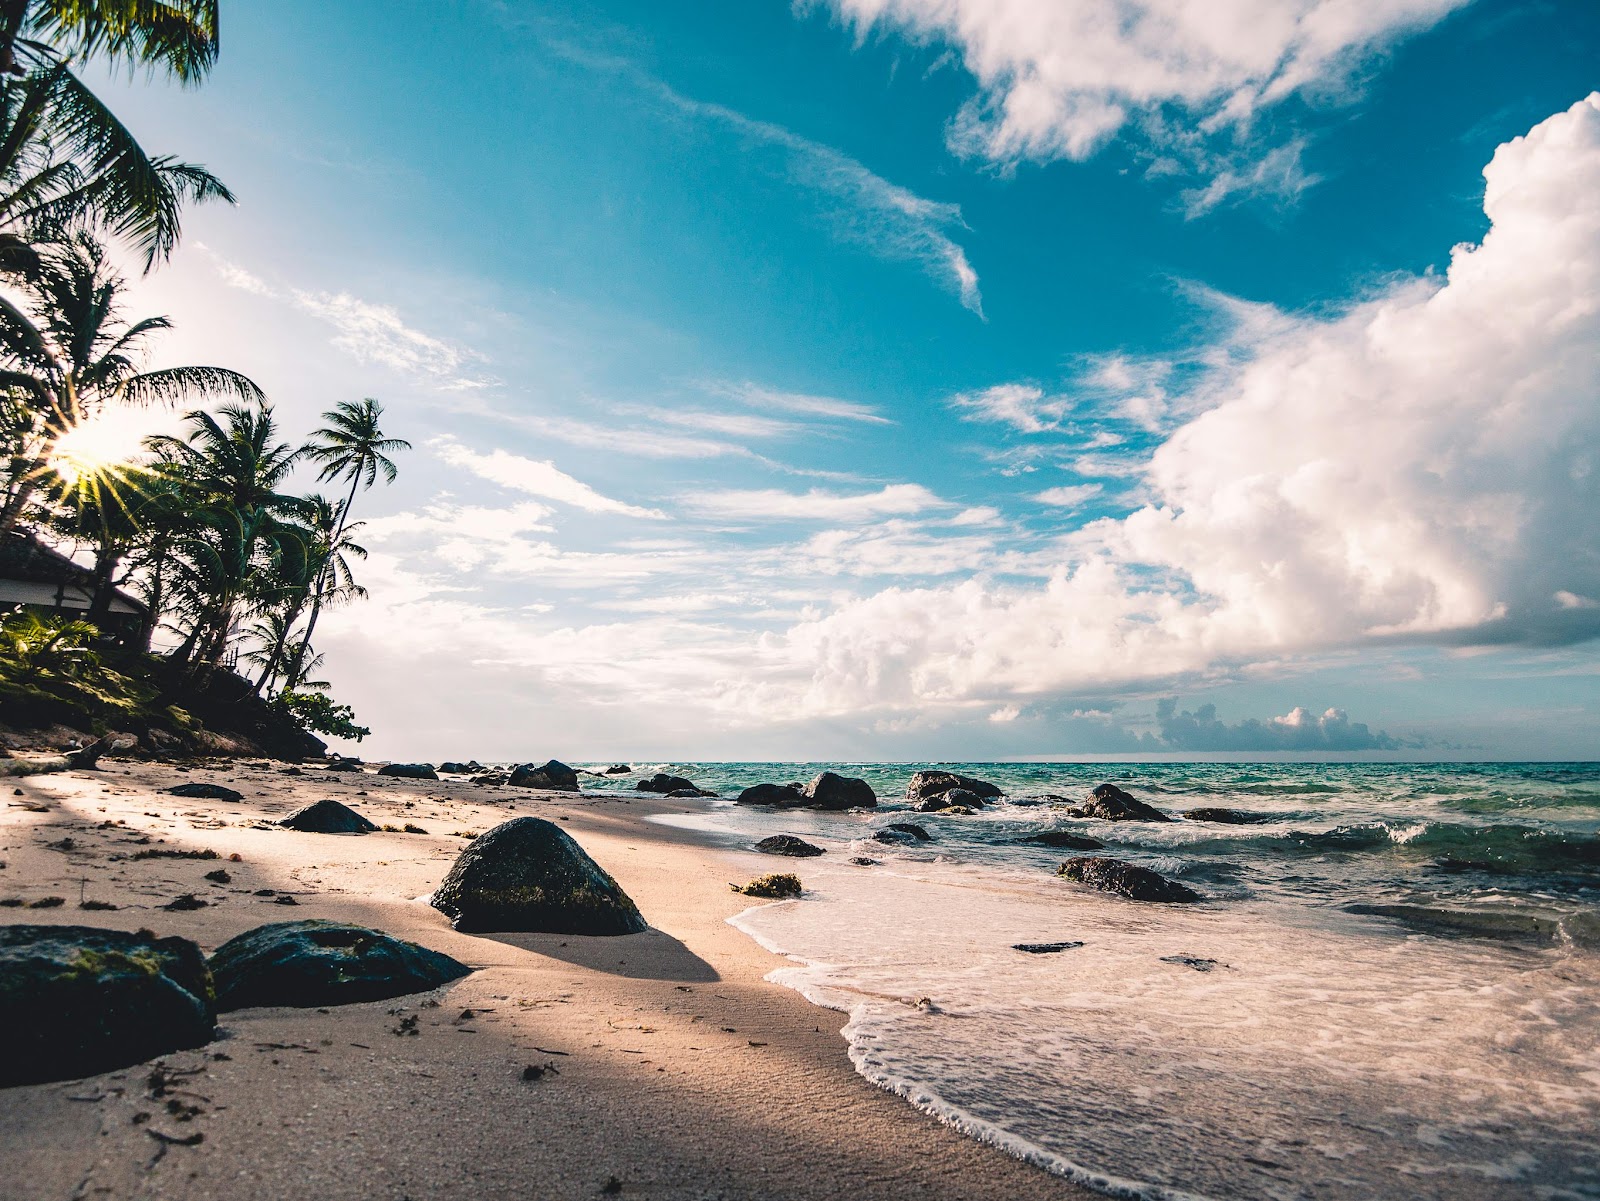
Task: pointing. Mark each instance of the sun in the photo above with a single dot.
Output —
(92, 448)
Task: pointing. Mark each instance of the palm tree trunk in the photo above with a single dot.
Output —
(292, 675)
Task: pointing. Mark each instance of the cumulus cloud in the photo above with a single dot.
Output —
(1059, 78)
(1297, 730)
(1420, 467)
(1069, 496)
(771, 504)
(536, 478)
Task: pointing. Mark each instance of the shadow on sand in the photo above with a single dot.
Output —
(650, 955)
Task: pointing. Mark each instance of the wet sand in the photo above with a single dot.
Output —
(673, 1069)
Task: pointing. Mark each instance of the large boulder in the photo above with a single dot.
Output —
(76, 1000)
(1126, 880)
(207, 792)
(554, 776)
(927, 785)
(1109, 803)
(788, 844)
(528, 874)
(328, 817)
(781, 796)
(409, 771)
(662, 782)
(316, 962)
(833, 791)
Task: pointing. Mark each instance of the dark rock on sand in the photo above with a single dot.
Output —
(781, 796)
(1109, 803)
(778, 887)
(528, 874)
(1064, 839)
(493, 777)
(316, 962)
(328, 817)
(688, 793)
(788, 844)
(554, 776)
(207, 792)
(1229, 817)
(409, 771)
(832, 791)
(1045, 948)
(862, 861)
(343, 764)
(76, 1000)
(460, 769)
(956, 798)
(926, 785)
(662, 782)
(902, 834)
(1194, 961)
(1126, 880)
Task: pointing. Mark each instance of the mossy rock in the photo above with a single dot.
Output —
(317, 962)
(77, 1000)
(529, 875)
(780, 886)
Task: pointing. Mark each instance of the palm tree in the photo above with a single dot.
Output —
(104, 507)
(178, 35)
(71, 354)
(351, 446)
(232, 471)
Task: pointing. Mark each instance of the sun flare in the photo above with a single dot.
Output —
(91, 448)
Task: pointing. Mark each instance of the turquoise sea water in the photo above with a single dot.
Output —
(1389, 991)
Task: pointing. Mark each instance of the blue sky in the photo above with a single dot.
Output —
(905, 378)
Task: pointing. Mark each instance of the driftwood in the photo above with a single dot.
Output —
(79, 760)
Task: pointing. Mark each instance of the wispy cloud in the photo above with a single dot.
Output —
(1024, 407)
(1069, 496)
(771, 504)
(799, 402)
(536, 478)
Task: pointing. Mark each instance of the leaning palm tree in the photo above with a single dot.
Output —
(177, 35)
(352, 446)
(71, 353)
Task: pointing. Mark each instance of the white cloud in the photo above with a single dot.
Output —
(799, 402)
(536, 478)
(1024, 407)
(1069, 496)
(1060, 78)
(771, 504)
(1421, 467)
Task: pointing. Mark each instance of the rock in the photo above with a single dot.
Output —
(317, 962)
(208, 792)
(946, 810)
(832, 791)
(788, 844)
(686, 793)
(1194, 961)
(1229, 817)
(617, 769)
(901, 834)
(862, 861)
(76, 1000)
(958, 798)
(328, 817)
(775, 887)
(662, 782)
(926, 785)
(554, 776)
(1065, 840)
(1125, 879)
(1109, 803)
(460, 769)
(782, 796)
(493, 777)
(409, 771)
(528, 874)
(343, 764)
(1045, 948)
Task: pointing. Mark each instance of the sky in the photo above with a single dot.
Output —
(908, 379)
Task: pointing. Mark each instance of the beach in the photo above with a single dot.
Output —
(665, 1065)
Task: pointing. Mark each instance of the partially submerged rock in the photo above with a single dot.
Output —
(788, 844)
(317, 962)
(528, 874)
(926, 785)
(1229, 817)
(1126, 880)
(328, 816)
(662, 782)
(1065, 840)
(1110, 803)
(902, 833)
(207, 792)
(77, 1000)
(554, 776)
(409, 771)
(779, 886)
(952, 800)
(781, 796)
(617, 769)
(833, 791)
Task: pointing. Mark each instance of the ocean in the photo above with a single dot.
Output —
(1388, 991)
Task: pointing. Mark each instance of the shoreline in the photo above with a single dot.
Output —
(680, 1071)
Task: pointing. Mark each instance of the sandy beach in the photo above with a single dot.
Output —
(672, 1068)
